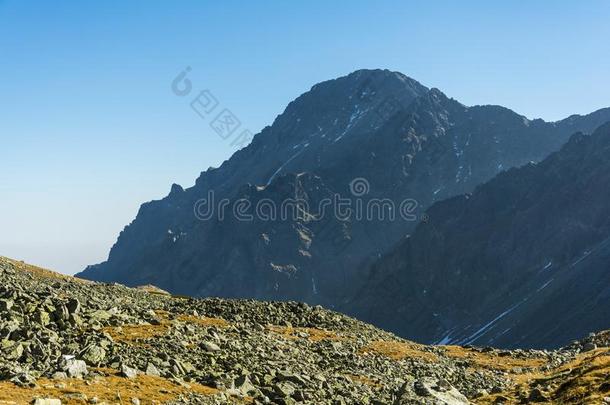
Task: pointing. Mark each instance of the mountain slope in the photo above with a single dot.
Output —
(407, 142)
(73, 341)
(520, 262)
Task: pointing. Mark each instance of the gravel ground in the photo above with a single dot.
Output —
(75, 341)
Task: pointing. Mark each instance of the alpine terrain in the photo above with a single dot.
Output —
(70, 341)
(397, 139)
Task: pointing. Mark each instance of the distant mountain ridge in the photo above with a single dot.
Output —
(522, 262)
(406, 140)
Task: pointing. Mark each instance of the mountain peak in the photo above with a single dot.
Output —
(406, 142)
(361, 74)
(381, 80)
(343, 100)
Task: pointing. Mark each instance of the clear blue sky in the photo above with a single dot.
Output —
(89, 128)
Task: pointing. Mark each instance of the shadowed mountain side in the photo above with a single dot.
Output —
(406, 141)
(521, 262)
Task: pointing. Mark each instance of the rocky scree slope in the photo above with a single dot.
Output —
(406, 140)
(69, 341)
(521, 262)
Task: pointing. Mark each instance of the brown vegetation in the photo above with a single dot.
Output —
(312, 334)
(493, 360)
(110, 388)
(585, 380)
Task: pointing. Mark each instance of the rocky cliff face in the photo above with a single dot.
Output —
(407, 142)
(522, 261)
(70, 341)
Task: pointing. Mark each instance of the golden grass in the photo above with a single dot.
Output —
(492, 361)
(111, 389)
(203, 321)
(576, 382)
(398, 350)
(137, 334)
(313, 334)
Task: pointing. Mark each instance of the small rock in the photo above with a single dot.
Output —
(152, 370)
(537, 396)
(47, 401)
(421, 389)
(61, 313)
(6, 305)
(42, 317)
(589, 346)
(94, 355)
(73, 306)
(11, 350)
(210, 347)
(128, 372)
(59, 375)
(73, 368)
(480, 393)
(244, 385)
(284, 389)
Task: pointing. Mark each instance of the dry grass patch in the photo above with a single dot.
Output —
(111, 389)
(492, 361)
(585, 380)
(398, 350)
(203, 321)
(312, 334)
(133, 334)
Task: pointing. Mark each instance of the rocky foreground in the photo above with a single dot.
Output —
(69, 341)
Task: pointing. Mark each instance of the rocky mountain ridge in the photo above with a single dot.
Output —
(520, 262)
(69, 341)
(404, 140)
